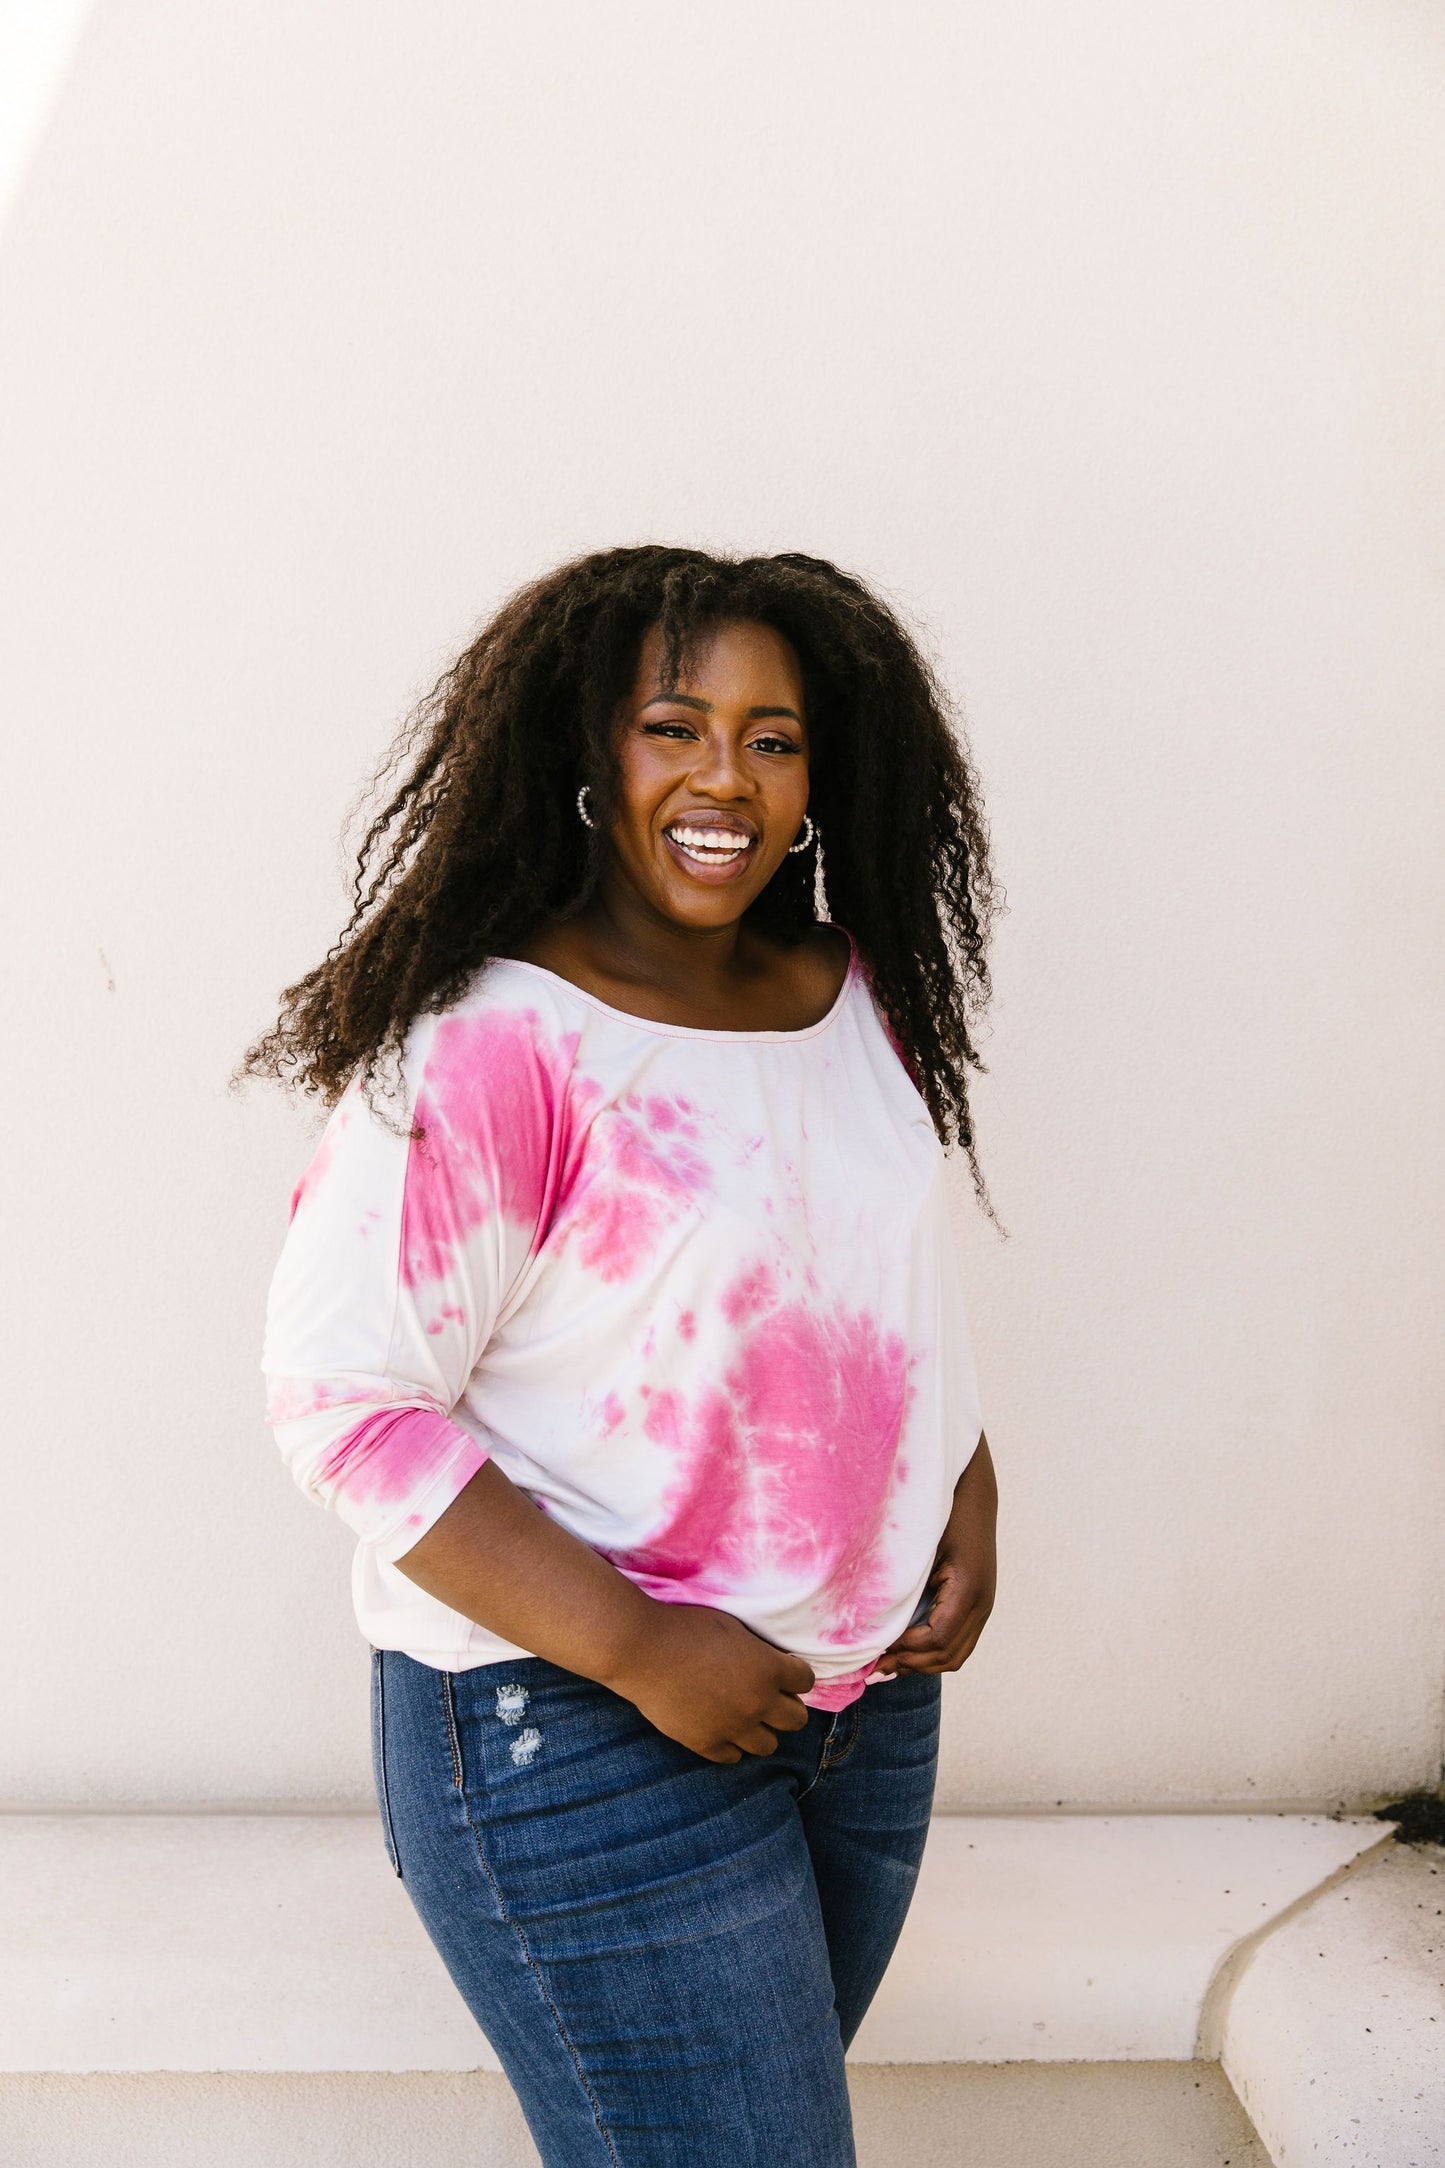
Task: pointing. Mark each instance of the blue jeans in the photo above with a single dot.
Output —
(669, 1955)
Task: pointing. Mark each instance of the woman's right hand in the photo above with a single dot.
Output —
(697, 1674)
(703, 1679)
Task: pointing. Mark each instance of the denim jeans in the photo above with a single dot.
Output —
(669, 1955)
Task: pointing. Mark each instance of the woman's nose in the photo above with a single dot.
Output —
(719, 770)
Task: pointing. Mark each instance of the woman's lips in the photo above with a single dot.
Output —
(712, 870)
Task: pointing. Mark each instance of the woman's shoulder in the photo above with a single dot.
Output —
(507, 1014)
(825, 954)
(525, 978)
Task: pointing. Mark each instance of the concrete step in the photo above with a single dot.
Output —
(1061, 1992)
(1007, 2115)
(1334, 2030)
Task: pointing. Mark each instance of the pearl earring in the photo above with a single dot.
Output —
(803, 841)
(582, 806)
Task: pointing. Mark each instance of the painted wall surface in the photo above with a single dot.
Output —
(1108, 342)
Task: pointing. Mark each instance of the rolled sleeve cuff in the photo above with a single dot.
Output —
(428, 1506)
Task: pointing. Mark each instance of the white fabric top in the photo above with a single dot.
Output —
(695, 1291)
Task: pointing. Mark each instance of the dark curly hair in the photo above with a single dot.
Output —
(478, 841)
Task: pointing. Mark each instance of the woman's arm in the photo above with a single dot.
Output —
(963, 1580)
(699, 1675)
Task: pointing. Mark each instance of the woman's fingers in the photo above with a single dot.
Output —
(939, 1651)
(786, 1714)
(952, 1601)
(961, 1585)
(796, 1676)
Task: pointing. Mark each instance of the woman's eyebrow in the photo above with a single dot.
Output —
(704, 707)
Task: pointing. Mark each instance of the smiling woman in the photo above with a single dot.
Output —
(712, 794)
(635, 1356)
(756, 778)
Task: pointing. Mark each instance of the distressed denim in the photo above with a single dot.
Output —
(668, 1955)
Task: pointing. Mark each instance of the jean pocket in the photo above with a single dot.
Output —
(378, 1755)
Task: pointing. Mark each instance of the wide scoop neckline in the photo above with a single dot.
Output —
(699, 1031)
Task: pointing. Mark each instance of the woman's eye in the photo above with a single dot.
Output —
(770, 744)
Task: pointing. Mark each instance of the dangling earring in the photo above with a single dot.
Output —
(804, 840)
(582, 806)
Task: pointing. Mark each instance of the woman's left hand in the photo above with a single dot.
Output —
(965, 1572)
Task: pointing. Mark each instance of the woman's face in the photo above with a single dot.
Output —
(713, 776)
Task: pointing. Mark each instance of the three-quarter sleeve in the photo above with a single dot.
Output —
(401, 1252)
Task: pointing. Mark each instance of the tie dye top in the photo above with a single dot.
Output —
(695, 1291)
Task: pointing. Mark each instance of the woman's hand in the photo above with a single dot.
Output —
(965, 1570)
(702, 1678)
(698, 1675)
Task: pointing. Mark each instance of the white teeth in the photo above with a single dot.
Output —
(709, 843)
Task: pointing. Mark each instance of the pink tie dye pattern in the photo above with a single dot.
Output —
(789, 1462)
(645, 1172)
(503, 1123)
(509, 1124)
(320, 1161)
(682, 1287)
(834, 1694)
(290, 1398)
(391, 1455)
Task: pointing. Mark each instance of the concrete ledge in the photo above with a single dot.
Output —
(1088, 1938)
(1002, 2115)
(284, 1943)
(1334, 2036)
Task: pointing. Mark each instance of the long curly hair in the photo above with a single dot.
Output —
(477, 842)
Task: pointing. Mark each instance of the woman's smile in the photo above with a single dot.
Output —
(711, 847)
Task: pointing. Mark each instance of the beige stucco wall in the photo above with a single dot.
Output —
(1108, 341)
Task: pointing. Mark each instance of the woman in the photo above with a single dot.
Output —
(630, 1341)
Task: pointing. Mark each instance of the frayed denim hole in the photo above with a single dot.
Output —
(512, 1703)
(526, 1747)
